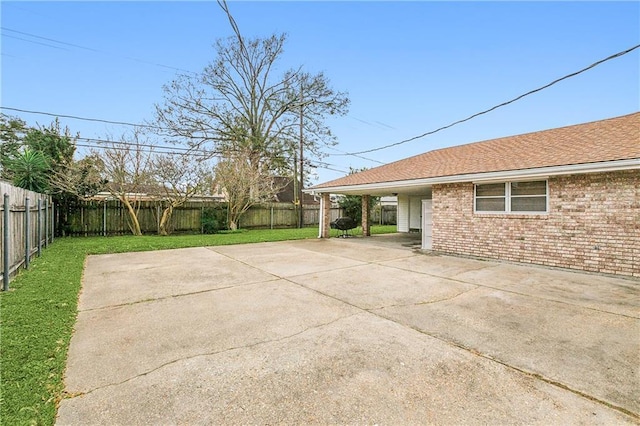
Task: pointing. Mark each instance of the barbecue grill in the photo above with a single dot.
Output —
(343, 224)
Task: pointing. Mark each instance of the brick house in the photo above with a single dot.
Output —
(566, 197)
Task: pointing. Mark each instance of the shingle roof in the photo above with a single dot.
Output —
(606, 140)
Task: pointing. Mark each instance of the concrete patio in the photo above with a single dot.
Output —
(348, 331)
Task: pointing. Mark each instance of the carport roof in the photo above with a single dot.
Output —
(595, 143)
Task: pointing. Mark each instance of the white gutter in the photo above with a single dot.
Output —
(600, 167)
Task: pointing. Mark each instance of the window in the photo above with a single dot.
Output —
(529, 196)
(511, 197)
(490, 197)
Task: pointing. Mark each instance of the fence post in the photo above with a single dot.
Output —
(27, 233)
(46, 222)
(5, 276)
(39, 231)
(271, 217)
(53, 222)
(104, 218)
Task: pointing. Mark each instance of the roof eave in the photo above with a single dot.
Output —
(539, 172)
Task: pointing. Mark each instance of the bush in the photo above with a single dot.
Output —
(352, 206)
(214, 219)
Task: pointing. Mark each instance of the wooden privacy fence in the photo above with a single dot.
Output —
(384, 215)
(283, 215)
(26, 225)
(110, 217)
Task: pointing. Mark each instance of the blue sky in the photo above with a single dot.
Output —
(409, 67)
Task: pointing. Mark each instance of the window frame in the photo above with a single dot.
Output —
(508, 197)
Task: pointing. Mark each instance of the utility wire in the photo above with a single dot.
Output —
(146, 149)
(595, 64)
(85, 48)
(177, 150)
(35, 42)
(356, 155)
(45, 38)
(75, 117)
(127, 143)
(343, 153)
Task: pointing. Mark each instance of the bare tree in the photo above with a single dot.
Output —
(181, 176)
(238, 103)
(243, 183)
(126, 168)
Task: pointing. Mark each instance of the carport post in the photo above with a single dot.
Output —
(325, 218)
(366, 227)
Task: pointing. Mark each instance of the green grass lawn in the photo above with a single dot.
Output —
(38, 313)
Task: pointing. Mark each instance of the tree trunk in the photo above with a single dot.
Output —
(165, 220)
(233, 225)
(135, 228)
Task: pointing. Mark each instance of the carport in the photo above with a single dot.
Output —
(414, 208)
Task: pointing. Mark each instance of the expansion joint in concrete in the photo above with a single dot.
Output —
(71, 395)
(531, 374)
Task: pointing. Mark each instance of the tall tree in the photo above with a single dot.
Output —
(40, 158)
(54, 142)
(31, 156)
(239, 103)
(12, 132)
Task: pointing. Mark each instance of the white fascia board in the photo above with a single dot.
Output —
(540, 172)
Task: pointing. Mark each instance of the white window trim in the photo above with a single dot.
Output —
(507, 198)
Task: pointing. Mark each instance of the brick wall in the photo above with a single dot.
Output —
(593, 224)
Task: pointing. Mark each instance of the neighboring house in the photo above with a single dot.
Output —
(566, 197)
(287, 192)
(389, 200)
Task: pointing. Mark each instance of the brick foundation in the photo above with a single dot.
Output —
(593, 224)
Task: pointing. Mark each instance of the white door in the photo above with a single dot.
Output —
(427, 224)
(415, 222)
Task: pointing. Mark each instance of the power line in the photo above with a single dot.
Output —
(148, 148)
(136, 144)
(616, 55)
(331, 169)
(356, 155)
(75, 117)
(101, 142)
(35, 42)
(45, 38)
(378, 124)
(84, 48)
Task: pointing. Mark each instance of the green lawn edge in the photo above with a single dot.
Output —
(38, 314)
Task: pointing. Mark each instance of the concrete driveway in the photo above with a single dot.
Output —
(337, 331)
